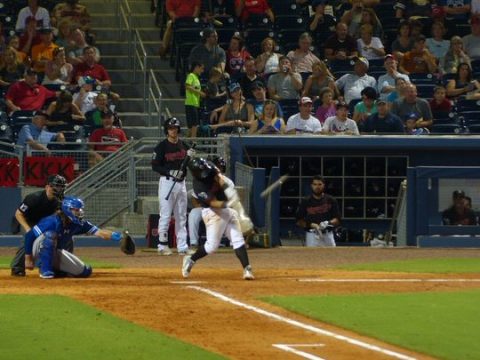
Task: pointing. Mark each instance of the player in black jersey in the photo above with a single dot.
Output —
(33, 208)
(217, 195)
(318, 214)
(167, 160)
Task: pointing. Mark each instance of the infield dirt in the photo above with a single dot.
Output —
(149, 290)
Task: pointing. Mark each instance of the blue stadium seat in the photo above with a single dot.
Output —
(425, 90)
(463, 105)
(285, 7)
(474, 129)
(290, 22)
(421, 78)
(289, 107)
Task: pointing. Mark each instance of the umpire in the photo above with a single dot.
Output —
(33, 208)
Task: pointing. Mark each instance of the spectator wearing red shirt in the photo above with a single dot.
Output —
(245, 8)
(177, 9)
(112, 137)
(90, 67)
(440, 104)
(27, 94)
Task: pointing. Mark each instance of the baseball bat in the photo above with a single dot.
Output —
(168, 113)
(273, 186)
(183, 168)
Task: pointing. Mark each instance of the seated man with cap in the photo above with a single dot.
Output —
(85, 98)
(34, 136)
(383, 121)
(386, 82)
(259, 97)
(106, 140)
(353, 84)
(42, 53)
(27, 94)
(340, 124)
(304, 122)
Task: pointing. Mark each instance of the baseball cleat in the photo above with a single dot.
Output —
(248, 274)
(187, 266)
(47, 274)
(18, 272)
(165, 251)
(186, 252)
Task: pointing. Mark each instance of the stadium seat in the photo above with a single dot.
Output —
(446, 129)
(289, 22)
(463, 105)
(289, 107)
(285, 7)
(474, 129)
(421, 78)
(425, 90)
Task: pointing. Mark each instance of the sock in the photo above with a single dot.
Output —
(242, 255)
(200, 253)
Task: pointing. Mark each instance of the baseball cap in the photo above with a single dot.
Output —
(45, 30)
(234, 87)
(420, 37)
(362, 60)
(207, 32)
(258, 85)
(106, 114)
(41, 113)
(381, 101)
(413, 116)
(389, 56)
(459, 194)
(86, 80)
(305, 100)
(30, 71)
(342, 104)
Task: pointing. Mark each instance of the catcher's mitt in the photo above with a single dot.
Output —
(127, 244)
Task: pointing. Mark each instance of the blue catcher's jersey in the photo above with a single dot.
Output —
(54, 223)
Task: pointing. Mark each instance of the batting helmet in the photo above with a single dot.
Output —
(171, 122)
(202, 169)
(220, 163)
(72, 207)
(58, 184)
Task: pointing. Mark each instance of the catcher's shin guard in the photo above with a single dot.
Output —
(87, 271)
(47, 249)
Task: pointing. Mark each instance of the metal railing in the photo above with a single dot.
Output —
(115, 185)
(154, 97)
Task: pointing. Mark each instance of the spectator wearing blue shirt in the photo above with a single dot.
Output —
(35, 136)
(383, 121)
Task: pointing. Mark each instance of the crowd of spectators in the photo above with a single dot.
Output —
(51, 76)
(362, 55)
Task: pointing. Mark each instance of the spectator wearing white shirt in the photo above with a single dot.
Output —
(304, 122)
(353, 84)
(340, 123)
(369, 46)
(475, 7)
(471, 42)
(386, 82)
(39, 13)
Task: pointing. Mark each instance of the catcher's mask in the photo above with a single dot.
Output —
(58, 183)
(72, 207)
(171, 122)
(202, 169)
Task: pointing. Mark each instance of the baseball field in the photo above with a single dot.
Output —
(342, 303)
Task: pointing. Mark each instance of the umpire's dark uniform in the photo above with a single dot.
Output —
(34, 207)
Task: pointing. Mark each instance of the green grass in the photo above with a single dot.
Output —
(441, 265)
(5, 263)
(55, 327)
(444, 325)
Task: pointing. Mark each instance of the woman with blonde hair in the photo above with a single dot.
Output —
(369, 17)
(321, 78)
(269, 122)
(369, 46)
(454, 57)
(267, 62)
(14, 43)
(12, 70)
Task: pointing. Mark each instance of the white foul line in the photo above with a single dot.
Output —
(290, 348)
(388, 280)
(302, 325)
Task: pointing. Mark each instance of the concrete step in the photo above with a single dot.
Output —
(138, 132)
(110, 33)
(126, 90)
(121, 61)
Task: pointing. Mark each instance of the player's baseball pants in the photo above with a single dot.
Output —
(314, 239)
(62, 259)
(219, 222)
(194, 220)
(176, 203)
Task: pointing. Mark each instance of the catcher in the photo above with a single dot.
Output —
(219, 200)
(45, 243)
(318, 214)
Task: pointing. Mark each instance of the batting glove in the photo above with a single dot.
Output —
(324, 225)
(116, 236)
(191, 152)
(176, 173)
